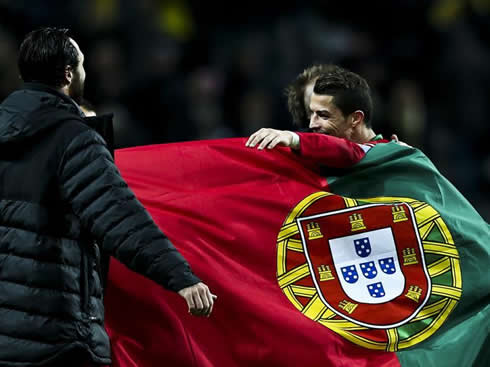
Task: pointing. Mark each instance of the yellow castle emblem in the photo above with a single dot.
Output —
(325, 273)
(347, 306)
(314, 231)
(414, 293)
(399, 214)
(357, 223)
(409, 256)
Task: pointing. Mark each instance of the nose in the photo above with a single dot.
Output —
(313, 121)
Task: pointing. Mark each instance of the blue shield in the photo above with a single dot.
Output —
(350, 274)
(368, 269)
(376, 290)
(363, 247)
(387, 265)
(360, 254)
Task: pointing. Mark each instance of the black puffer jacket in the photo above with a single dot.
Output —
(60, 193)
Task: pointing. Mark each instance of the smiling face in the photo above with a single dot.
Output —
(327, 118)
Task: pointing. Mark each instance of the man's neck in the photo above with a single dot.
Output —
(64, 90)
(363, 135)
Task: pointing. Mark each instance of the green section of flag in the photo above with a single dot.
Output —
(394, 170)
(430, 258)
(445, 278)
(407, 330)
(435, 235)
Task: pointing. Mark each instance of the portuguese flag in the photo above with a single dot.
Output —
(384, 264)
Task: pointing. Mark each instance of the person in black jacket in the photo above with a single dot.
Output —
(61, 197)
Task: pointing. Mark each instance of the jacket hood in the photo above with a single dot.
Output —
(33, 109)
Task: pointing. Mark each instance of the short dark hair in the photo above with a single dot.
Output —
(350, 91)
(295, 93)
(44, 55)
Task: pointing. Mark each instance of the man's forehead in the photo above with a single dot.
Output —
(321, 101)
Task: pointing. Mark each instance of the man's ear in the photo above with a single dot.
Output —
(357, 118)
(68, 75)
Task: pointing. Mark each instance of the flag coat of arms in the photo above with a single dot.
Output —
(369, 265)
(383, 265)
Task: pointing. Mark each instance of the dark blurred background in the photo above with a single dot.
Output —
(174, 70)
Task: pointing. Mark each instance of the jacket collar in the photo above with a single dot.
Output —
(48, 89)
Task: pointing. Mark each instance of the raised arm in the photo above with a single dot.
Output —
(110, 212)
(330, 151)
(320, 149)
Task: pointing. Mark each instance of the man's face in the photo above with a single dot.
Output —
(75, 90)
(327, 118)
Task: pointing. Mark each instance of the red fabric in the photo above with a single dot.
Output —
(222, 205)
(331, 151)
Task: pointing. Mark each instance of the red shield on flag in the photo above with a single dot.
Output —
(366, 261)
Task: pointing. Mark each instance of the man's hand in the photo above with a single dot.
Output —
(394, 137)
(269, 138)
(199, 299)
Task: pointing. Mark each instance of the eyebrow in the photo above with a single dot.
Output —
(324, 112)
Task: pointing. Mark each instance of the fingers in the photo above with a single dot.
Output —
(191, 305)
(210, 301)
(206, 300)
(266, 140)
(200, 300)
(394, 138)
(269, 138)
(274, 142)
(259, 136)
(203, 300)
(256, 138)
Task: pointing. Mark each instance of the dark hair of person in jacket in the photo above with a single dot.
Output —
(51, 57)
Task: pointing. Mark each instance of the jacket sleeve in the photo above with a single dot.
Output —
(92, 185)
(325, 150)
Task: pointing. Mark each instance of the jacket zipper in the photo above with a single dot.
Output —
(97, 260)
(96, 251)
(84, 282)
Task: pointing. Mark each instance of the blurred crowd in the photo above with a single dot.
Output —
(175, 70)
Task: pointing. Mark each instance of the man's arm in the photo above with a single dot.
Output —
(109, 210)
(321, 149)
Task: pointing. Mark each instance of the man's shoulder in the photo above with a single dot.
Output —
(367, 146)
(395, 152)
(376, 142)
(75, 130)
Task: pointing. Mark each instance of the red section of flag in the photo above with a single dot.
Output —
(222, 205)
